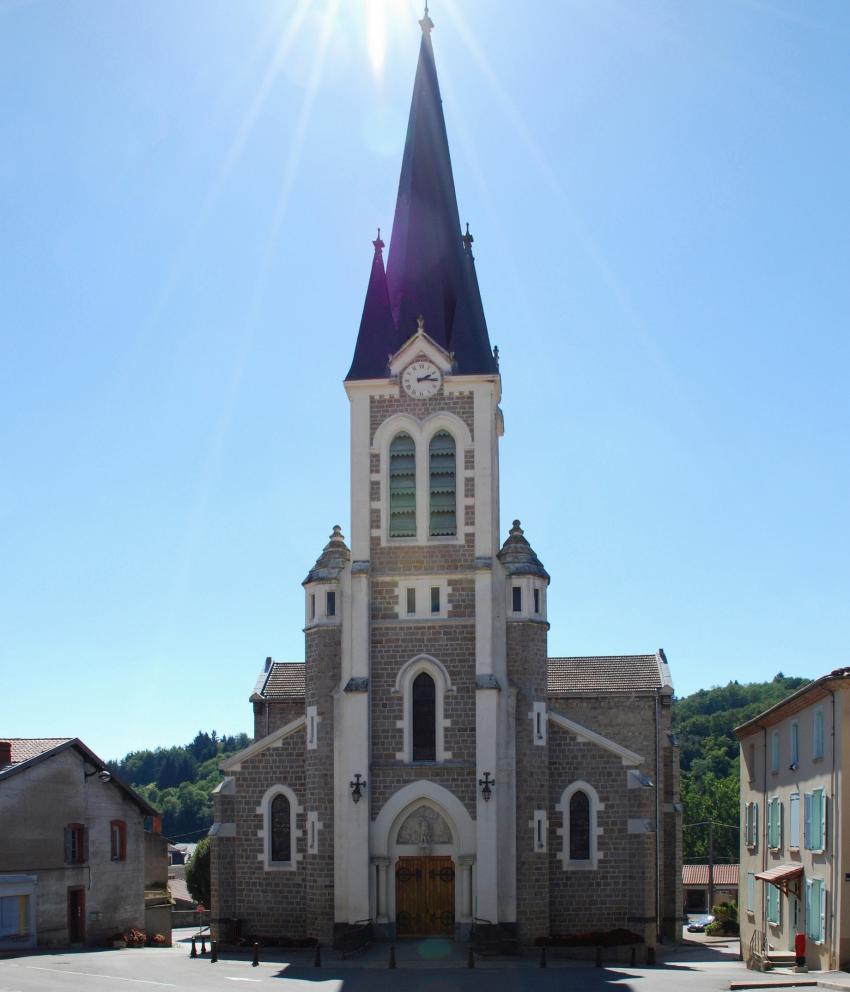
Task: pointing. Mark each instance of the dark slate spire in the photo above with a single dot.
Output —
(333, 559)
(377, 337)
(518, 556)
(430, 271)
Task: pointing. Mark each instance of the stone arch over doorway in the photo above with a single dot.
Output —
(426, 820)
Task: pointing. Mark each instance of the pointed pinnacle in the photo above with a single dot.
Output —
(378, 243)
(467, 239)
(426, 23)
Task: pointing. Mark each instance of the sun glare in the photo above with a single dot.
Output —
(376, 34)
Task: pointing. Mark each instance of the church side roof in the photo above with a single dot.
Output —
(282, 683)
(605, 673)
(429, 270)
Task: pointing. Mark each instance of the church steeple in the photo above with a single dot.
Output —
(429, 272)
(377, 337)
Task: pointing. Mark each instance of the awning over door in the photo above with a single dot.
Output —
(783, 876)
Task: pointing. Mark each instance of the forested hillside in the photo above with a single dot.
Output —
(703, 723)
(179, 781)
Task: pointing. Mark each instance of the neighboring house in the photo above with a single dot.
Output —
(695, 886)
(74, 856)
(429, 763)
(795, 846)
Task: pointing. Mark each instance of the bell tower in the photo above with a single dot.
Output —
(427, 612)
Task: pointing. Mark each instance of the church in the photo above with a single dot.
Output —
(428, 767)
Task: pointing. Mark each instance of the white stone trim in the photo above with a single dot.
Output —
(312, 728)
(539, 832)
(422, 431)
(527, 584)
(423, 584)
(462, 824)
(226, 787)
(538, 717)
(274, 739)
(563, 807)
(420, 343)
(264, 809)
(583, 734)
(404, 686)
(314, 825)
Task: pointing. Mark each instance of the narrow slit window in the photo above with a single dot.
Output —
(281, 830)
(536, 600)
(411, 602)
(579, 827)
(402, 486)
(539, 833)
(312, 606)
(443, 485)
(435, 599)
(331, 604)
(516, 594)
(424, 710)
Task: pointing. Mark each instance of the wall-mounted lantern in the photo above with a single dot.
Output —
(486, 784)
(357, 787)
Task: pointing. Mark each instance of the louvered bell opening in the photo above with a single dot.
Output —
(402, 486)
(443, 487)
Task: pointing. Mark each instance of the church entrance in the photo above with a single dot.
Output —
(425, 896)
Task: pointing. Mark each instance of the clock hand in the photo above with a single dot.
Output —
(427, 378)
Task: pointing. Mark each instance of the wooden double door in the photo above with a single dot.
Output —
(424, 896)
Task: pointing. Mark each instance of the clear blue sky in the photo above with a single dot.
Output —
(188, 190)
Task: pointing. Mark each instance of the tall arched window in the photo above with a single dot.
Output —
(443, 490)
(402, 486)
(579, 826)
(281, 830)
(424, 711)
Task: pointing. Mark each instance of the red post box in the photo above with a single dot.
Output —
(800, 949)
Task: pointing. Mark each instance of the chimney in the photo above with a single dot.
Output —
(5, 753)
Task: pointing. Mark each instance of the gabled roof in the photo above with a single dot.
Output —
(609, 673)
(698, 875)
(234, 761)
(86, 754)
(24, 748)
(281, 682)
(806, 695)
(430, 269)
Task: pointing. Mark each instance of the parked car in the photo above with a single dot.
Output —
(699, 924)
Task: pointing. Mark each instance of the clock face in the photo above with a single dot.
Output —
(421, 379)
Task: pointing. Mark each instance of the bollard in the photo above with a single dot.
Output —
(256, 960)
(317, 960)
(392, 957)
(213, 951)
(543, 956)
(470, 959)
(650, 955)
(203, 946)
(632, 959)
(598, 961)
(194, 952)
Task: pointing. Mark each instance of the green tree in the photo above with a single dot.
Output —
(198, 873)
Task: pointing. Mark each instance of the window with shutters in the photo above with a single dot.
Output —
(118, 840)
(814, 820)
(773, 906)
(402, 486)
(751, 825)
(794, 820)
(424, 712)
(443, 485)
(815, 909)
(774, 751)
(817, 734)
(774, 823)
(76, 843)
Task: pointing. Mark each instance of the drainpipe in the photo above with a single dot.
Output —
(658, 788)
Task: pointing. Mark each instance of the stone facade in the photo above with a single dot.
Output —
(427, 695)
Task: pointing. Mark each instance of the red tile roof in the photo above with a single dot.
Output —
(605, 673)
(24, 748)
(284, 682)
(724, 875)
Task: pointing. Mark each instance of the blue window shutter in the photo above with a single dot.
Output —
(807, 821)
(755, 825)
(822, 908)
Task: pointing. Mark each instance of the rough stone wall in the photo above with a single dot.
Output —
(35, 806)
(424, 559)
(271, 716)
(527, 671)
(269, 903)
(323, 671)
(382, 407)
(620, 892)
(223, 869)
(672, 899)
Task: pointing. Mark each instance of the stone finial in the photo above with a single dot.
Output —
(420, 324)
(379, 245)
(426, 23)
(518, 557)
(334, 558)
(467, 240)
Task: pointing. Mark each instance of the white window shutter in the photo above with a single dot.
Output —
(822, 911)
(748, 837)
(807, 821)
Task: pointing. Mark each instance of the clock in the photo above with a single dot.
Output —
(421, 379)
